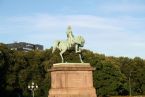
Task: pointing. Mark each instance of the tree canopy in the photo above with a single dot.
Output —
(111, 77)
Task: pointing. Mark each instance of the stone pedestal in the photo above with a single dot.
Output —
(72, 80)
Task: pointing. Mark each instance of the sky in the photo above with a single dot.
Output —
(110, 27)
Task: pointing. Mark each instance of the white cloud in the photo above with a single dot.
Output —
(112, 36)
(122, 6)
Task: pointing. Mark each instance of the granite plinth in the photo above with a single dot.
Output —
(71, 80)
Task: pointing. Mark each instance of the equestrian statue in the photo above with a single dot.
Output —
(71, 41)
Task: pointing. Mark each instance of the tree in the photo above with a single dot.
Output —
(111, 77)
(108, 79)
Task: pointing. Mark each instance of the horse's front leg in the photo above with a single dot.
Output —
(81, 58)
(77, 49)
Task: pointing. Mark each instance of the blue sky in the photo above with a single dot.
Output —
(110, 27)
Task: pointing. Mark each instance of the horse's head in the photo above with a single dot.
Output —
(80, 40)
(82, 43)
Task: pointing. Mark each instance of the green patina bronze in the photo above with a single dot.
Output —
(71, 41)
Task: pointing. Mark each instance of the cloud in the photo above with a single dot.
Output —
(123, 6)
(113, 36)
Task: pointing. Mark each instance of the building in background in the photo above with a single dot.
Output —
(23, 46)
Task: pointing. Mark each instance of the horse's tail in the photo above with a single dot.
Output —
(56, 43)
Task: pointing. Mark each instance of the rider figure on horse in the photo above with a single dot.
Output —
(70, 36)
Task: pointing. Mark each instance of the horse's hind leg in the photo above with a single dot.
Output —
(62, 56)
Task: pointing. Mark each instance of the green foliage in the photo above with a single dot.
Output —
(108, 79)
(111, 77)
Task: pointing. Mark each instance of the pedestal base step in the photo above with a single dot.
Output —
(72, 92)
(71, 95)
